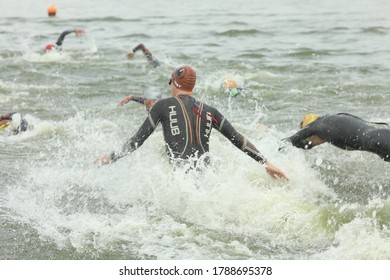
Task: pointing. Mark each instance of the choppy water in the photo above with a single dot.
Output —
(293, 57)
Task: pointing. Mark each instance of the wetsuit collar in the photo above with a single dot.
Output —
(188, 93)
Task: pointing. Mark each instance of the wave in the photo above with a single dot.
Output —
(109, 19)
(237, 33)
(308, 52)
(138, 36)
(252, 55)
(380, 30)
(120, 209)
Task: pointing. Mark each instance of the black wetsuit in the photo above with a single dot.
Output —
(148, 54)
(139, 99)
(187, 124)
(347, 132)
(60, 39)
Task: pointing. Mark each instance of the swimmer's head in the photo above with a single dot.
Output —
(5, 121)
(309, 118)
(49, 47)
(230, 86)
(51, 11)
(183, 78)
(14, 123)
(152, 93)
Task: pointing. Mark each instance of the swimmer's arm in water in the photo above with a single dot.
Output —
(129, 98)
(60, 39)
(137, 48)
(132, 144)
(146, 52)
(272, 170)
(300, 139)
(141, 47)
(248, 148)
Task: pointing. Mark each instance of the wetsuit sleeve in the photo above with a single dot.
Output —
(136, 141)
(148, 55)
(62, 37)
(299, 139)
(151, 60)
(238, 140)
(138, 99)
(142, 134)
(241, 142)
(139, 47)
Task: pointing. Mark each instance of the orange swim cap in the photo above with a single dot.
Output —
(184, 78)
(309, 118)
(51, 11)
(229, 84)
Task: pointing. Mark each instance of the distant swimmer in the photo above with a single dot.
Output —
(58, 45)
(187, 124)
(14, 123)
(230, 87)
(344, 131)
(149, 99)
(154, 62)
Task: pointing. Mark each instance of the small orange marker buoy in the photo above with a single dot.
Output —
(52, 10)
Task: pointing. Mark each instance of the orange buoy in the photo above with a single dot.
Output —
(52, 10)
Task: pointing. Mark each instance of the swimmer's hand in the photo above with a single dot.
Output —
(79, 32)
(130, 55)
(125, 100)
(274, 172)
(103, 160)
(283, 143)
(282, 147)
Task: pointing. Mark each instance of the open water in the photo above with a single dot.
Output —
(292, 57)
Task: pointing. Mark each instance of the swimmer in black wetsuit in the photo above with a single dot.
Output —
(58, 45)
(154, 62)
(187, 125)
(149, 99)
(345, 131)
(18, 125)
